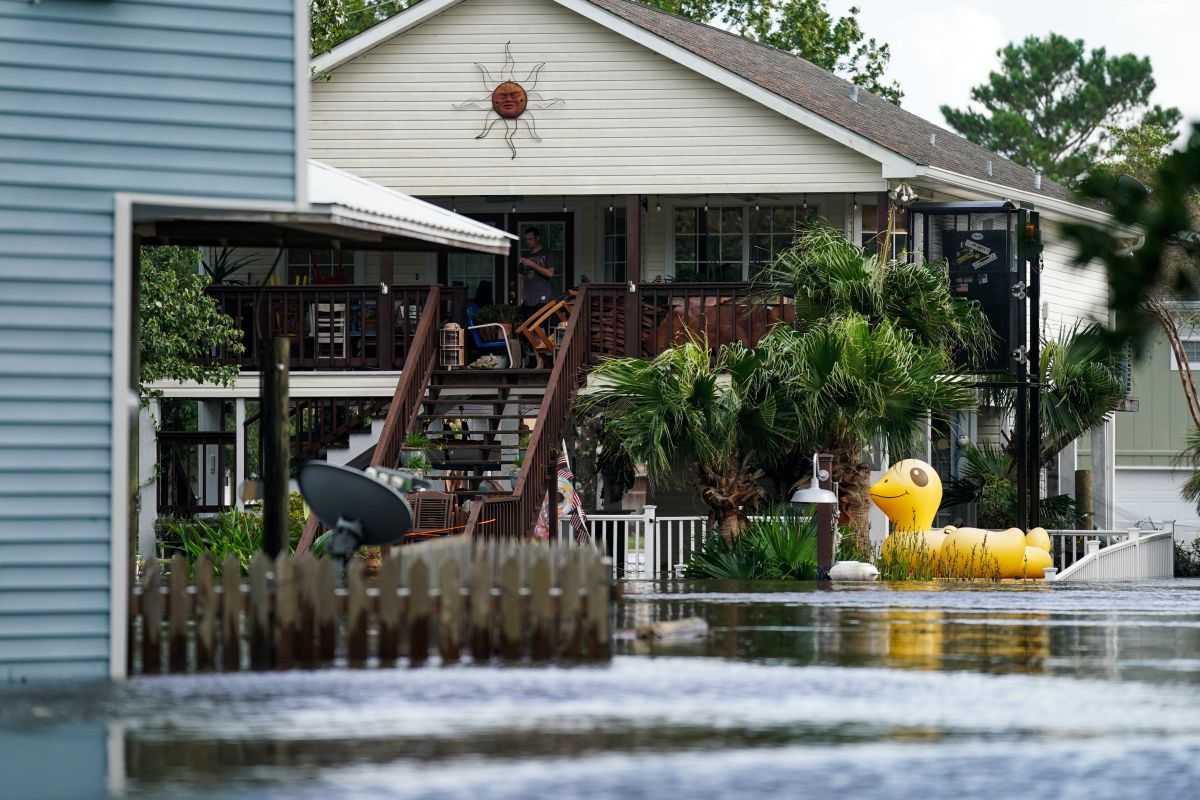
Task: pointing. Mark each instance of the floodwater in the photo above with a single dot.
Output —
(923, 691)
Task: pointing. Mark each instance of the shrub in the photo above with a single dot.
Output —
(232, 532)
(1187, 560)
(774, 547)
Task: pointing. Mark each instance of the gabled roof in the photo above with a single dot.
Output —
(905, 144)
(807, 85)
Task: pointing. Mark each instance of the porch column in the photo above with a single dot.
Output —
(633, 274)
(1066, 469)
(385, 314)
(1103, 472)
(147, 457)
(239, 452)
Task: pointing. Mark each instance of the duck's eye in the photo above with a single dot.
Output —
(918, 476)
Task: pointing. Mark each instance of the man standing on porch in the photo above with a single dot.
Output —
(537, 266)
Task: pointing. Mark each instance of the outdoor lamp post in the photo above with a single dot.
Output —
(825, 503)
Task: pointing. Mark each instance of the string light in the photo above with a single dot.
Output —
(706, 203)
(564, 203)
(610, 204)
(658, 203)
(756, 208)
(804, 204)
(453, 205)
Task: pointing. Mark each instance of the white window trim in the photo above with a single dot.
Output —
(1189, 337)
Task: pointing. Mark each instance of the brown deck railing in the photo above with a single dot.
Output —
(330, 327)
(514, 516)
(186, 460)
(406, 401)
(722, 313)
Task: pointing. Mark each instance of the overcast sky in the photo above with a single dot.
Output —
(942, 48)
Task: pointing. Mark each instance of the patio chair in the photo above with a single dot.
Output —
(433, 513)
(483, 344)
(327, 328)
(534, 328)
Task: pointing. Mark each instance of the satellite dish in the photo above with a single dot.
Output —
(359, 509)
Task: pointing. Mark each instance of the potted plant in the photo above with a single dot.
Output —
(506, 315)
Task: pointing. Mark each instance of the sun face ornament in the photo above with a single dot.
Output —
(510, 100)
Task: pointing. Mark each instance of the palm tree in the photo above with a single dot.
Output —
(853, 384)
(1081, 385)
(885, 338)
(694, 419)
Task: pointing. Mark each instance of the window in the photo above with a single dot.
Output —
(871, 235)
(470, 270)
(772, 230)
(320, 266)
(709, 244)
(614, 245)
(733, 242)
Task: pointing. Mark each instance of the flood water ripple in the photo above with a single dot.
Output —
(924, 691)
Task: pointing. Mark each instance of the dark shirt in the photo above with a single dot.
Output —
(538, 289)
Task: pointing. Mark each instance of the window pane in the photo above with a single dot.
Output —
(731, 220)
(784, 220)
(760, 249)
(760, 220)
(1192, 348)
(780, 243)
(731, 248)
(868, 218)
(685, 248)
(685, 220)
(712, 221)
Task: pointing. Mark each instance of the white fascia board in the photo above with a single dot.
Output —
(247, 386)
(894, 165)
(376, 35)
(300, 34)
(1058, 208)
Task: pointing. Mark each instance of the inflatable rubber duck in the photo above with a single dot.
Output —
(910, 493)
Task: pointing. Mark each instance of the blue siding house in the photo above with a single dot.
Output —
(116, 115)
(105, 105)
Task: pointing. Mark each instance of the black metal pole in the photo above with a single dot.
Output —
(1021, 357)
(274, 396)
(1033, 238)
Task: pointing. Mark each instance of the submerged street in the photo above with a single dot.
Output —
(873, 691)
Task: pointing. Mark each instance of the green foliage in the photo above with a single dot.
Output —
(499, 312)
(180, 325)
(232, 532)
(225, 264)
(848, 546)
(908, 559)
(830, 276)
(691, 418)
(988, 478)
(1048, 105)
(1187, 559)
(332, 22)
(1166, 221)
(778, 546)
(804, 28)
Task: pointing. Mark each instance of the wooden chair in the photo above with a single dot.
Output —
(327, 328)
(535, 331)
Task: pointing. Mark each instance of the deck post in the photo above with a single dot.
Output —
(633, 274)
(385, 314)
(275, 445)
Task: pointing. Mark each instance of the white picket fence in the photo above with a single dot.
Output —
(643, 545)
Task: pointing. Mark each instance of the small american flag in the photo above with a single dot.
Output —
(571, 506)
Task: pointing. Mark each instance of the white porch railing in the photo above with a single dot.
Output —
(1142, 554)
(642, 545)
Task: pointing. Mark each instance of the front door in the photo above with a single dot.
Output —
(555, 231)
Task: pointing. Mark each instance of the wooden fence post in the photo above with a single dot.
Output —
(178, 609)
(389, 611)
(544, 629)
(450, 603)
(418, 613)
(510, 609)
(285, 612)
(260, 613)
(152, 608)
(231, 614)
(325, 606)
(481, 609)
(356, 614)
(206, 615)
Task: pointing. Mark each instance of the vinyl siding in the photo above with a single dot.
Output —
(187, 97)
(1075, 295)
(1154, 434)
(630, 121)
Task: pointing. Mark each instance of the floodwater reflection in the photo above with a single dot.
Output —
(867, 692)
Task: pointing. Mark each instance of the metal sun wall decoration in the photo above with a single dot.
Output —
(511, 100)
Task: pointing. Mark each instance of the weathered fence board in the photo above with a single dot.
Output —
(510, 601)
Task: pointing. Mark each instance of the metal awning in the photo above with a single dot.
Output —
(342, 208)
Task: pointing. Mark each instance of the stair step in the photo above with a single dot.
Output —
(466, 399)
(477, 416)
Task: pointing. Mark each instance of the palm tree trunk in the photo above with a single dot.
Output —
(728, 493)
(854, 493)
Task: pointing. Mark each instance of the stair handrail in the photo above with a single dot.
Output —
(406, 400)
(515, 515)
